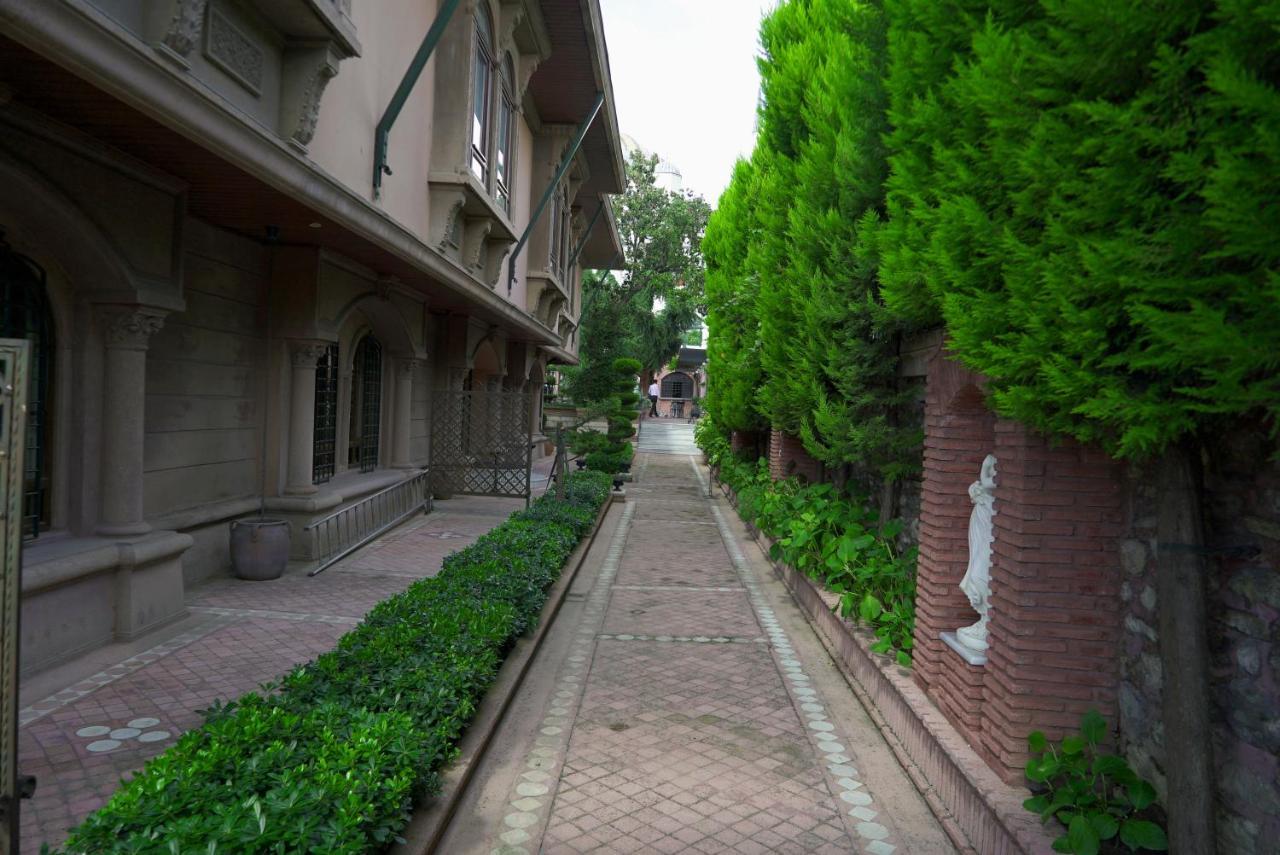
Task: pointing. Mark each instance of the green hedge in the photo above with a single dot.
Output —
(333, 757)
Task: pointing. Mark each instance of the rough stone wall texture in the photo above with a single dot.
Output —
(787, 458)
(1241, 504)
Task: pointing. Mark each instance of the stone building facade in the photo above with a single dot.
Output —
(230, 314)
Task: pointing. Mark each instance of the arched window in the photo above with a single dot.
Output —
(25, 313)
(677, 385)
(366, 405)
(324, 450)
(505, 143)
(482, 96)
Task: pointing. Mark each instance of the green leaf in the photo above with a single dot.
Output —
(1061, 845)
(1141, 834)
(1093, 726)
(1082, 836)
(1037, 742)
(870, 608)
(1072, 745)
(1104, 824)
(1111, 766)
(1037, 804)
(1141, 794)
(904, 659)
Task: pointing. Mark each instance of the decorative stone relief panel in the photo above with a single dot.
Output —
(234, 51)
(307, 71)
(182, 27)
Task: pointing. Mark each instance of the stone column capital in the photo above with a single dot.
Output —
(130, 327)
(305, 354)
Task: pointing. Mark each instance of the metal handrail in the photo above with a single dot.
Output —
(346, 530)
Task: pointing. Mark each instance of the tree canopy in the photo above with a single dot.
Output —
(1084, 195)
(645, 310)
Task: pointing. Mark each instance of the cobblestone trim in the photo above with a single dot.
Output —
(861, 814)
(338, 620)
(531, 798)
(75, 692)
(699, 639)
(684, 588)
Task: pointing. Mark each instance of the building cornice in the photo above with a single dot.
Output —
(90, 45)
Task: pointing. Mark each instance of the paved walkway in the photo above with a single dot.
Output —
(682, 704)
(666, 436)
(86, 724)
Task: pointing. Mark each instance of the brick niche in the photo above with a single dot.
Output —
(1055, 577)
(788, 458)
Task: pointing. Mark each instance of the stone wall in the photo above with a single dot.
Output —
(206, 386)
(1241, 504)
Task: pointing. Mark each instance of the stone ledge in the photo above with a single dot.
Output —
(979, 811)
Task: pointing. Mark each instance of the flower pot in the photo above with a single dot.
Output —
(259, 548)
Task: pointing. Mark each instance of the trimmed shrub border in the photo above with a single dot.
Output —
(430, 820)
(978, 811)
(341, 752)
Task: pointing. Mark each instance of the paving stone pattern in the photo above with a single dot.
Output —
(682, 718)
(241, 634)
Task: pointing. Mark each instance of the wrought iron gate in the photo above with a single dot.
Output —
(481, 443)
(14, 368)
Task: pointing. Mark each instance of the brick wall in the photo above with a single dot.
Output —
(959, 433)
(1055, 614)
(1055, 583)
(787, 458)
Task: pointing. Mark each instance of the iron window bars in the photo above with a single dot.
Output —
(25, 313)
(324, 455)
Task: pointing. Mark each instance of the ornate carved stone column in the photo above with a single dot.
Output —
(127, 330)
(302, 416)
(401, 455)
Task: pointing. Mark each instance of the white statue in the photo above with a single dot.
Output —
(976, 583)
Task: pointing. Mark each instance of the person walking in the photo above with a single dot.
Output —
(654, 390)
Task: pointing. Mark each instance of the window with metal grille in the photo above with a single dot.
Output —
(366, 405)
(25, 313)
(677, 385)
(324, 452)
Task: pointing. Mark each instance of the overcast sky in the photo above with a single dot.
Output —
(685, 81)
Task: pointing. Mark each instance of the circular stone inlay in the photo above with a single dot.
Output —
(144, 723)
(154, 736)
(821, 725)
(842, 770)
(856, 798)
(95, 730)
(536, 777)
(872, 830)
(514, 837)
(811, 707)
(849, 784)
(103, 745)
(530, 789)
(125, 733)
(520, 820)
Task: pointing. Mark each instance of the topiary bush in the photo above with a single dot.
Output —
(616, 453)
(333, 757)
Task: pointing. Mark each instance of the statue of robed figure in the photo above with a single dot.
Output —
(976, 583)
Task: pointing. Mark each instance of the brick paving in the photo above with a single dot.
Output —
(683, 719)
(79, 741)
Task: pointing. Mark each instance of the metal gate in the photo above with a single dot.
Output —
(481, 443)
(14, 367)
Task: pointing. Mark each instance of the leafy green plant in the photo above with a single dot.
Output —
(333, 757)
(1095, 795)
